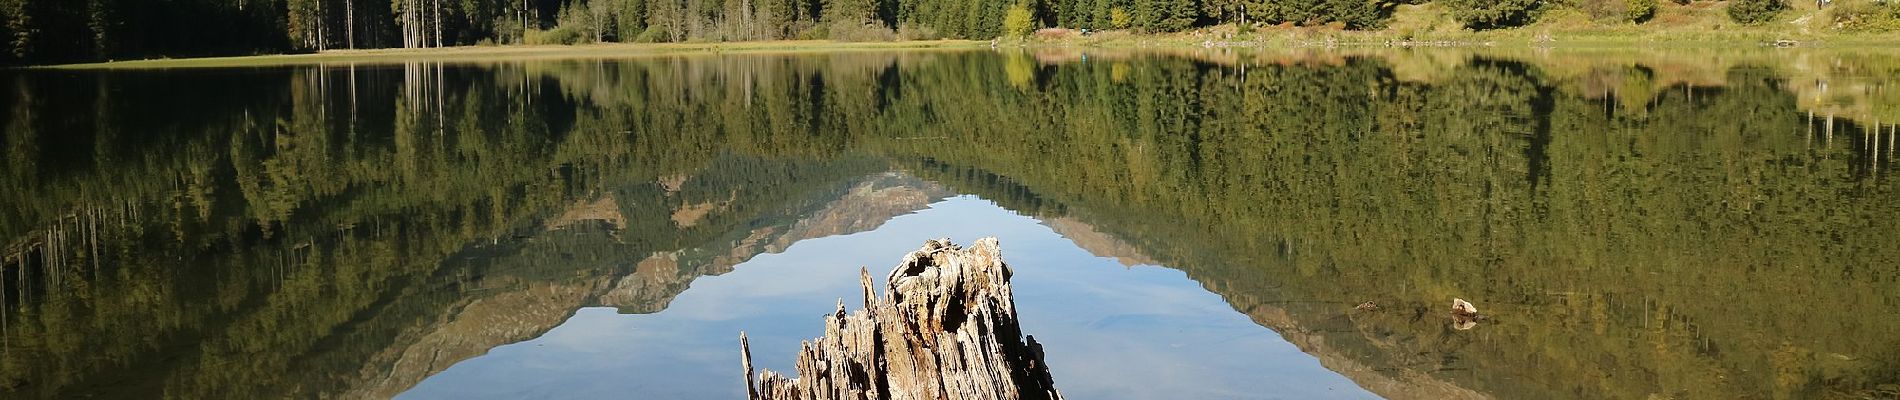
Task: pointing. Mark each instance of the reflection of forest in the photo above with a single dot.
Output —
(1637, 227)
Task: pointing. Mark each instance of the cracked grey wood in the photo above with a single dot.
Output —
(945, 328)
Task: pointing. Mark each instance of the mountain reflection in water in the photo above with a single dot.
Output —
(1638, 225)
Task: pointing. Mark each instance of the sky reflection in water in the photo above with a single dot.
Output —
(1110, 331)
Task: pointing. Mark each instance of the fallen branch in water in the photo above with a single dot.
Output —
(945, 328)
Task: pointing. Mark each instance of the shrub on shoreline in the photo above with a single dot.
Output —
(1493, 14)
(1865, 16)
(1641, 11)
(1754, 11)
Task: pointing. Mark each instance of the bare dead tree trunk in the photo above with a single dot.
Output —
(409, 25)
(945, 328)
(415, 23)
(438, 23)
(745, 11)
(600, 27)
(349, 23)
(320, 18)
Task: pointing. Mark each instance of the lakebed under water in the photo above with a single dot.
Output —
(1183, 224)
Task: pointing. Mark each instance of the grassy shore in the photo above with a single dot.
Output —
(519, 52)
(1696, 25)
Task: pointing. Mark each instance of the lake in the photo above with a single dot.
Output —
(1184, 223)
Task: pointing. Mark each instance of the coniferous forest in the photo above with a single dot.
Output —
(63, 31)
(50, 31)
(59, 31)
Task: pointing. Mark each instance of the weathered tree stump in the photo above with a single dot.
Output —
(945, 328)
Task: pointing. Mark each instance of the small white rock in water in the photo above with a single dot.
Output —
(1462, 307)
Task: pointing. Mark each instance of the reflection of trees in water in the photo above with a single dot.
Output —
(288, 236)
(1652, 252)
(322, 219)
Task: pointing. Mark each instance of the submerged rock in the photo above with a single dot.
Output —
(1460, 307)
(945, 328)
(1464, 316)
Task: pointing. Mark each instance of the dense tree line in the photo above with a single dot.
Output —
(67, 30)
(45, 31)
(52, 31)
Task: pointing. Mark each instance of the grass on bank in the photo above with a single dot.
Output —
(1697, 24)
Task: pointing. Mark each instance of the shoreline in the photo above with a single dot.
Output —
(517, 52)
(1266, 39)
(1697, 25)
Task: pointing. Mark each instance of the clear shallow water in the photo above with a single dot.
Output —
(1692, 224)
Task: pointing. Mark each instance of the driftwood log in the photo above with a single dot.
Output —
(945, 328)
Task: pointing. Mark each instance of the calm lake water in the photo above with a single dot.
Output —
(1194, 224)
